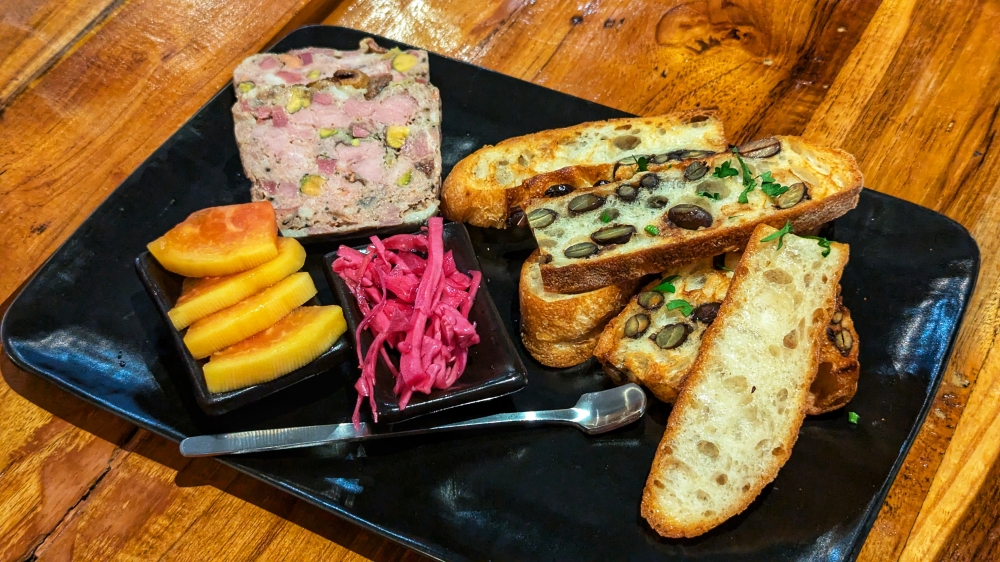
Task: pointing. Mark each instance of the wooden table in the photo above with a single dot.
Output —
(89, 88)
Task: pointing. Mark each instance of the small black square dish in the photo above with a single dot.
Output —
(165, 287)
(494, 368)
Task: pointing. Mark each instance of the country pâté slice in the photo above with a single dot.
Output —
(739, 413)
(695, 209)
(656, 338)
(483, 186)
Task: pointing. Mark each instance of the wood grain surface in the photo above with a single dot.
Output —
(910, 87)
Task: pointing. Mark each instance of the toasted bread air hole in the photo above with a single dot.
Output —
(721, 479)
(791, 340)
(825, 383)
(668, 450)
(778, 276)
(736, 384)
(659, 484)
(709, 449)
(763, 444)
(774, 350)
(702, 495)
(817, 316)
(708, 513)
(807, 279)
(746, 488)
(825, 278)
(778, 451)
(782, 395)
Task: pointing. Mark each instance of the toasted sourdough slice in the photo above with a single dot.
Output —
(704, 283)
(484, 185)
(562, 330)
(740, 410)
(666, 218)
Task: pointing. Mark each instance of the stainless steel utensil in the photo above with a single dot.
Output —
(594, 413)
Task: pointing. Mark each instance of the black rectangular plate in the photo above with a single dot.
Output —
(165, 288)
(493, 369)
(85, 323)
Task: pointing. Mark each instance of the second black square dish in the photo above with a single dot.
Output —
(494, 368)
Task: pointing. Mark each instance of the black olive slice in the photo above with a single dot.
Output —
(671, 336)
(695, 170)
(688, 154)
(707, 312)
(760, 148)
(650, 300)
(599, 183)
(689, 217)
(636, 326)
(795, 194)
(660, 159)
(617, 234)
(581, 250)
(649, 181)
(627, 193)
(558, 190)
(584, 203)
(540, 218)
(517, 218)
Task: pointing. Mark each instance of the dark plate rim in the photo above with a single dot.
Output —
(867, 521)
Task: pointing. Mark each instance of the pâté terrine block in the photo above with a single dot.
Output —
(340, 141)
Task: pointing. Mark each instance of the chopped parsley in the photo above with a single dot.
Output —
(605, 216)
(667, 286)
(710, 195)
(641, 161)
(651, 230)
(771, 187)
(726, 170)
(684, 306)
(823, 243)
(748, 180)
(779, 235)
(853, 418)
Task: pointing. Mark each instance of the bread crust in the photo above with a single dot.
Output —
(662, 522)
(663, 373)
(598, 271)
(562, 330)
(482, 200)
(836, 379)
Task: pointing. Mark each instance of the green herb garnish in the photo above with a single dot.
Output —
(726, 170)
(684, 306)
(823, 243)
(641, 161)
(710, 195)
(605, 216)
(771, 187)
(748, 180)
(779, 235)
(667, 286)
(651, 230)
(853, 418)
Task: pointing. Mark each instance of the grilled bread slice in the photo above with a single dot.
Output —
(704, 283)
(562, 330)
(631, 356)
(659, 220)
(484, 185)
(739, 413)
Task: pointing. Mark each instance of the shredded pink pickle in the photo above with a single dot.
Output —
(419, 307)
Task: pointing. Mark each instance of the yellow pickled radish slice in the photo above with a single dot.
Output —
(219, 241)
(248, 317)
(202, 296)
(296, 340)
